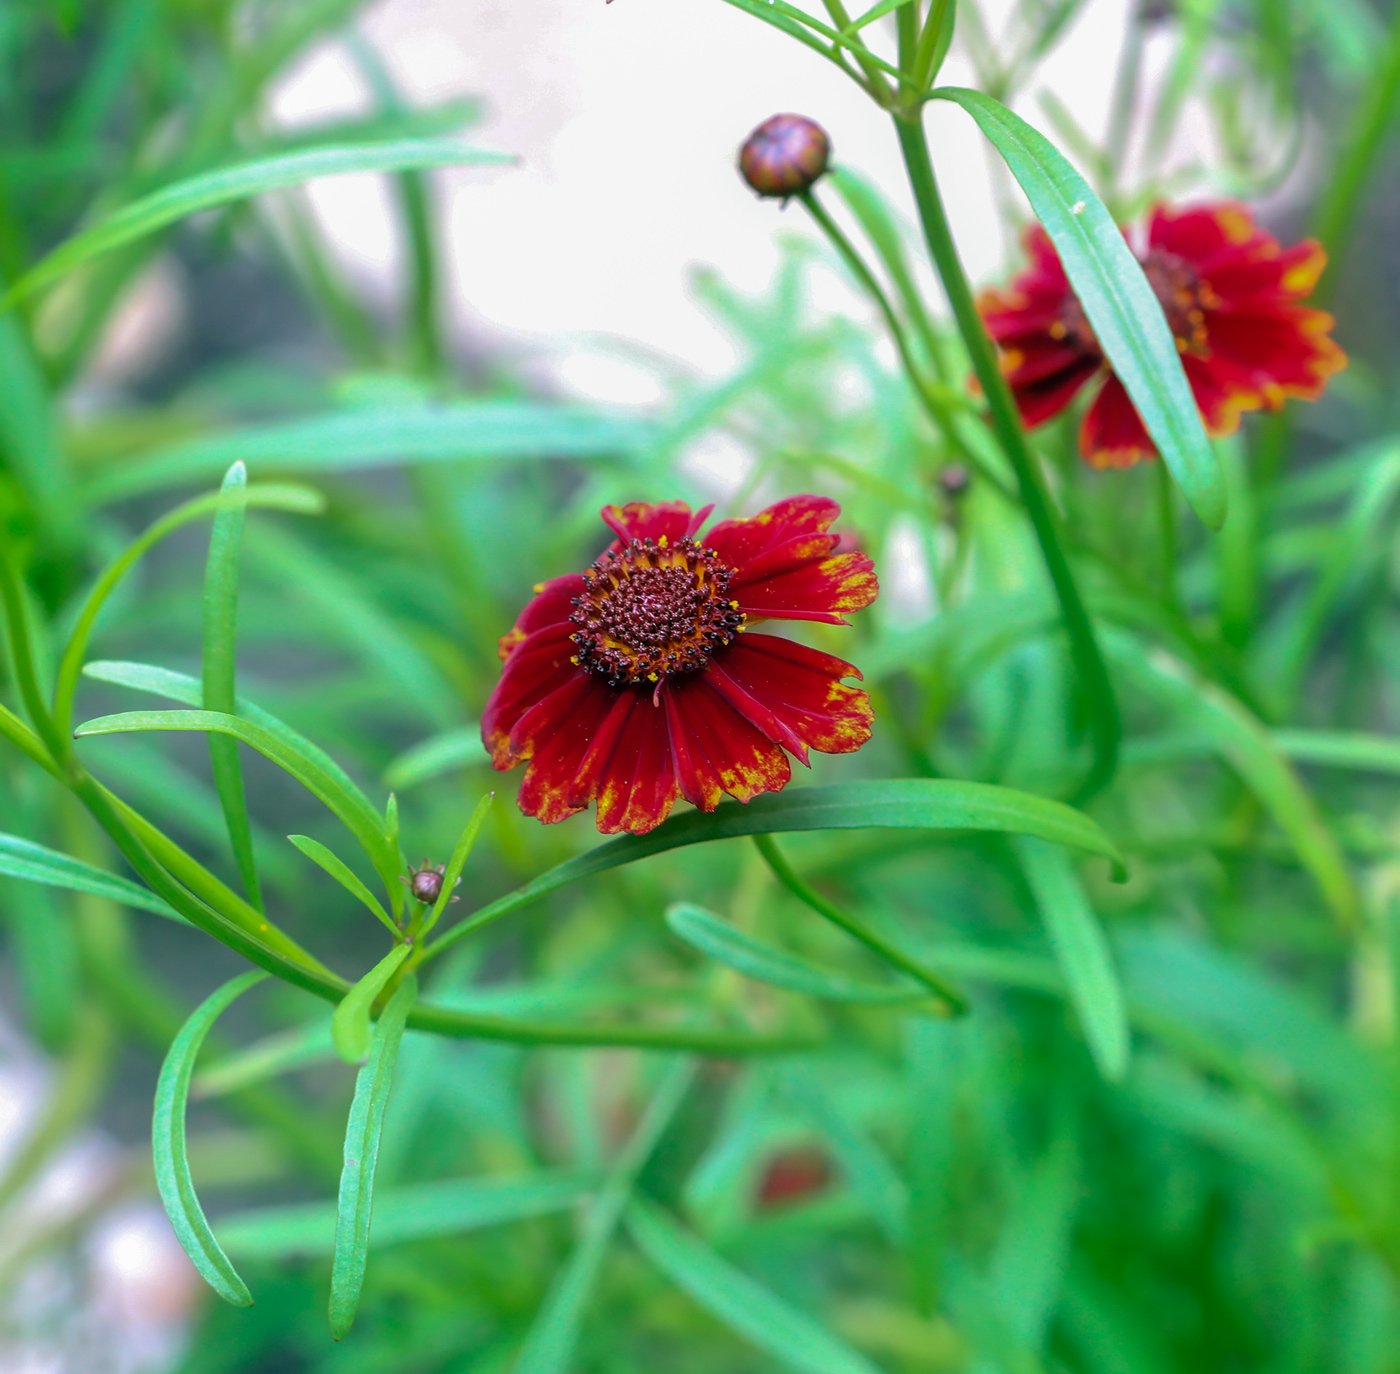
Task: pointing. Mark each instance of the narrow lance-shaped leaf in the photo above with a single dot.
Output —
(1082, 952)
(219, 669)
(36, 864)
(895, 803)
(1124, 311)
(767, 964)
(168, 1147)
(319, 854)
(350, 1029)
(210, 189)
(362, 1133)
(749, 1310)
(460, 855)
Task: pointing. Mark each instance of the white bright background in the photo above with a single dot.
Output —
(626, 118)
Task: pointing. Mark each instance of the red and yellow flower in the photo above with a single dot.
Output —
(640, 681)
(1231, 293)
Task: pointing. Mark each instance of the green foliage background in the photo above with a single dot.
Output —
(1004, 1190)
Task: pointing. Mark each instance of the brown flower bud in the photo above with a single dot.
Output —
(954, 480)
(425, 882)
(784, 155)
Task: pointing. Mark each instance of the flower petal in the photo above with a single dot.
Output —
(536, 666)
(1043, 399)
(558, 733)
(639, 788)
(806, 590)
(737, 542)
(720, 749)
(642, 520)
(594, 763)
(1112, 434)
(802, 687)
(755, 711)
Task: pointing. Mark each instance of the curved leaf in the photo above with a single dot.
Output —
(383, 437)
(767, 963)
(438, 754)
(749, 1310)
(319, 854)
(362, 1133)
(168, 1146)
(1082, 952)
(348, 805)
(1127, 317)
(210, 189)
(895, 803)
(36, 864)
(350, 1030)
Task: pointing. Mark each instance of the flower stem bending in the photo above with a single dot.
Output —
(1105, 724)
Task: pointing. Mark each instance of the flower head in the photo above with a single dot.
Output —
(1231, 293)
(785, 155)
(640, 681)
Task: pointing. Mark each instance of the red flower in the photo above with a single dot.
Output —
(637, 682)
(1231, 295)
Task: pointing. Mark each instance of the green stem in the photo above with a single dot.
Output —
(1375, 114)
(875, 81)
(22, 656)
(1105, 725)
(784, 872)
(938, 412)
(1166, 523)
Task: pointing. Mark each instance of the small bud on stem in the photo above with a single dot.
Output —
(784, 156)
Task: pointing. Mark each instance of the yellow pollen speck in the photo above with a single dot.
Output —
(733, 605)
(662, 542)
(652, 677)
(538, 588)
(1058, 329)
(574, 659)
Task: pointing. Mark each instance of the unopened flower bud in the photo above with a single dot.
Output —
(425, 882)
(784, 155)
(954, 480)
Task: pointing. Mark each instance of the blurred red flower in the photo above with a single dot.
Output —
(637, 682)
(792, 1175)
(1231, 295)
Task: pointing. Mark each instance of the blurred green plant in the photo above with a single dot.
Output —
(563, 1153)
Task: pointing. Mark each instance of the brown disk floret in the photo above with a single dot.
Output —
(656, 608)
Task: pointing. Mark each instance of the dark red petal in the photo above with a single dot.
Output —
(1113, 435)
(700, 784)
(639, 788)
(537, 666)
(1043, 400)
(641, 520)
(560, 736)
(757, 712)
(1267, 272)
(551, 604)
(1202, 234)
(738, 541)
(1278, 352)
(725, 750)
(803, 688)
(594, 763)
(812, 591)
(1222, 394)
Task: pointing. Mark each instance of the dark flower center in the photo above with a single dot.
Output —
(658, 607)
(1184, 296)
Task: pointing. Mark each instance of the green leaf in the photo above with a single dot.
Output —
(1241, 738)
(168, 1146)
(389, 437)
(350, 1029)
(460, 855)
(550, 1343)
(752, 1312)
(266, 1058)
(1082, 951)
(348, 804)
(1340, 749)
(430, 758)
(35, 864)
(219, 660)
(877, 11)
(362, 1134)
(1122, 308)
(210, 189)
(319, 854)
(273, 496)
(897, 803)
(766, 963)
(445, 1208)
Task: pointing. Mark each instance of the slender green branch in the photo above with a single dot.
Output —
(1105, 725)
(938, 412)
(22, 656)
(892, 954)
